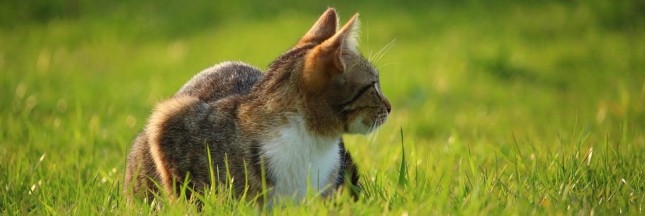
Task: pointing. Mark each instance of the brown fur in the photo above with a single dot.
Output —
(228, 112)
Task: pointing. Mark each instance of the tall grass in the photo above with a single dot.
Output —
(498, 108)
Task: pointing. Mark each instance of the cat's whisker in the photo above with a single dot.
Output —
(387, 64)
(371, 138)
(372, 129)
(371, 56)
(367, 36)
(377, 55)
(382, 51)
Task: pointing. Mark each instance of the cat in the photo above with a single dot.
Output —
(278, 132)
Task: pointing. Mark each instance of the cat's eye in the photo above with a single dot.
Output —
(377, 86)
(360, 92)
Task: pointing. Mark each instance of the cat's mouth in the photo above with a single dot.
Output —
(378, 121)
(368, 125)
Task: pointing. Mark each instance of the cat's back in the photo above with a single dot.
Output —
(213, 91)
(221, 80)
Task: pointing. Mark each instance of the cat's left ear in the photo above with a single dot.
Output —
(323, 29)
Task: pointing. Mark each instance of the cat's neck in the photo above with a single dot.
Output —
(269, 105)
(263, 109)
(298, 161)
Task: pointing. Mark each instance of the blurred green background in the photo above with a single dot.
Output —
(533, 82)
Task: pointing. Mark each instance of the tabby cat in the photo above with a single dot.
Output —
(278, 131)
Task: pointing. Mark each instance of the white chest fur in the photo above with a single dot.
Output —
(298, 161)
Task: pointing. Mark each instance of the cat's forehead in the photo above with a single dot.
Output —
(367, 70)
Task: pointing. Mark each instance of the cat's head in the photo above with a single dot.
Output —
(340, 89)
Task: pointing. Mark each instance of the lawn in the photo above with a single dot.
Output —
(498, 108)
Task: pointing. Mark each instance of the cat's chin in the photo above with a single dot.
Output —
(359, 127)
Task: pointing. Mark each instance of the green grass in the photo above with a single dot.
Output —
(502, 108)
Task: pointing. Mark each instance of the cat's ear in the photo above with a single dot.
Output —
(330, 57)
(323, 29)
(345, 41)
(333, 51)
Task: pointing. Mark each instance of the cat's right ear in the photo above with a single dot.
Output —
(323, 29)
(329, 59)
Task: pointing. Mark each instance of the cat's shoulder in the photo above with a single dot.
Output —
(220, 80)
(229, 68)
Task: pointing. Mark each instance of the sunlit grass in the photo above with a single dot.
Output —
(501, 109)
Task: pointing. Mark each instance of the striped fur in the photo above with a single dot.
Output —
(282, 128)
